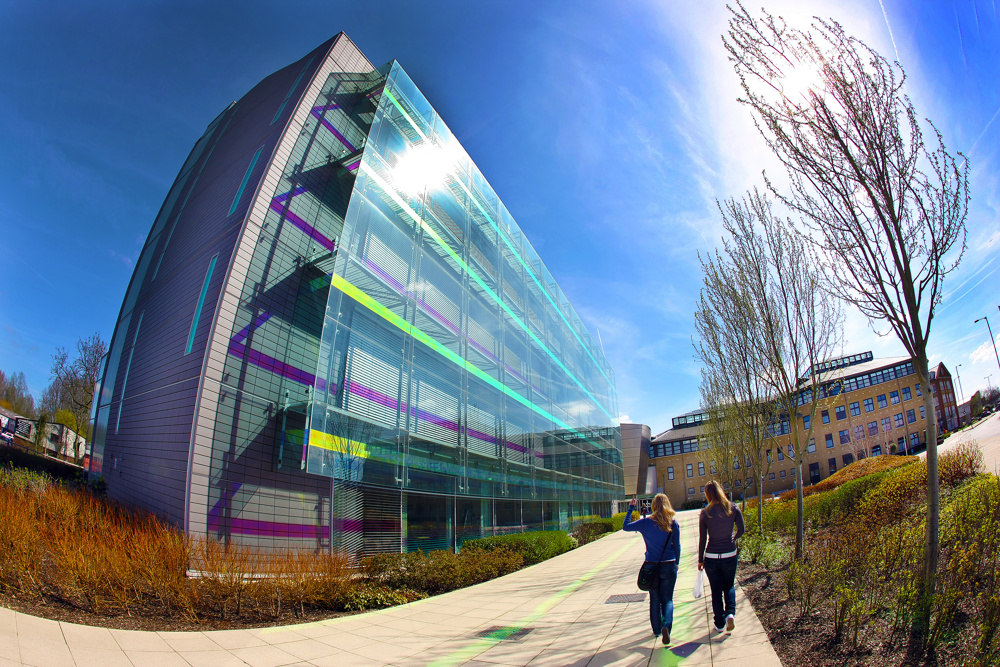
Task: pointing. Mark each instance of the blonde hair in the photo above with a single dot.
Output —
(663, 512)
(717, 497)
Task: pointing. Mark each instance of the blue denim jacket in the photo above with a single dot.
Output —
(655, 537)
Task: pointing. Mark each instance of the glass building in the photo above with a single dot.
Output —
(337, 336)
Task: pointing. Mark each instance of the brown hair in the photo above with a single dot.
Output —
(663, 512)
(716, 496)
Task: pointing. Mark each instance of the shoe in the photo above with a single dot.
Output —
(666, 636)
(720, 630)
(730, 623)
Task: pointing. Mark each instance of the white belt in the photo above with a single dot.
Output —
(726, 555)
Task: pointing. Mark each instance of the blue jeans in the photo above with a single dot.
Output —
(721, 573)
(661, 598)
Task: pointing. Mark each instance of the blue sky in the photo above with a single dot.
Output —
(608, 128)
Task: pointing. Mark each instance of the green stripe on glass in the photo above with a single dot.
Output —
(371, 304)
(201, 303)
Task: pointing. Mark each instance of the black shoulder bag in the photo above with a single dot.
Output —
(650, 572)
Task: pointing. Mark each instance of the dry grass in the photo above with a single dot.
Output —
(72, 547)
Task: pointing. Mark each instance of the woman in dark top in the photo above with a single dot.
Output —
(719, 558)
(662, 536)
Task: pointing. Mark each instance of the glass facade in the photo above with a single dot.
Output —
(450, 362)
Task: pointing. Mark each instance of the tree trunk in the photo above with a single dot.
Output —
(799, 507)
(932, 536)
(760, 504)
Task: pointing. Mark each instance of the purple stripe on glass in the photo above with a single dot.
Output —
(318, 112)
(311, 231)
(277, 367)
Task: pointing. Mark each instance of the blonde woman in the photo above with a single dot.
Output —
(719, 557)
(662, 536)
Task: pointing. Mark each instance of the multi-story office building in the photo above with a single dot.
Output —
(945, 405)
(336, 336)
(873, 407)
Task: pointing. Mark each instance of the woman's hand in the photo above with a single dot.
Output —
(701, 566)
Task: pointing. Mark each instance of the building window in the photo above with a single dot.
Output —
(736, 464)
(914, 440)
(703, 489)
(859, 432)
(873, 428)
(841, 412)
(900, 444)
(877, 450)
(771, 476)
(894, 397)
(701, 469)
(899, 420)
(833, 465)
(886, 426)
(855, 409)
(690, 490)
(791, 454)
(829, 440)
(869, 405)
(906, 394)
(690, 470)
(806, 420)
(782, 474)
(739, 483)
(711, 467)
(881, 401)
(670, 473)
(826, 416)
(812, 446)
(911, 416)
(781, 454)
(923, 414)
(918, 390)
(845, 437)
(725, 485)
(848, 459)
(861, 455)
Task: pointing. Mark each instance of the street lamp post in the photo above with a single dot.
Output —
(957, 375)
(992, 340)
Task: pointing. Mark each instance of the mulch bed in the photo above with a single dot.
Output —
(149, 620)
(808, 641)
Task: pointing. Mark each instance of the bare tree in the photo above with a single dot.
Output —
(733, 387)
(884, 209)
(800, 323)
(14, 394)
(76, 379)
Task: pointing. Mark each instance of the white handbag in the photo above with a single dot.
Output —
(699, 585)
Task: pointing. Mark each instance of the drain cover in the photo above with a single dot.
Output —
(627, 597)
(504, 633)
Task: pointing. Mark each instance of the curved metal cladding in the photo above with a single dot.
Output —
(199, 272)
(458, 393)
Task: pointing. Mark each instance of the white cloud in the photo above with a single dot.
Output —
(984, 353)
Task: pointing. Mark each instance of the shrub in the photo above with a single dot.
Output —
(590, 531)
(617, 521)
(856, 470)
(534, 546)
(368, 595)
(692, 504)
(758, 549)
(440, 571)
(960, 463)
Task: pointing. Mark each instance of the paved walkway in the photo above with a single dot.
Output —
(561, 604)
(986, 433)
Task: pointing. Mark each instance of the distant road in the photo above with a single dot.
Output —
(987, 435)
